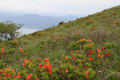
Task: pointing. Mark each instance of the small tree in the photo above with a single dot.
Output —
(9, 30)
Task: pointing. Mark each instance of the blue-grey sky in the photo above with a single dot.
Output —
(57, 7)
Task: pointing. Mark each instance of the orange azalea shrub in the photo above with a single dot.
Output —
(92, 57)
(9, 74)
(32, 70)
(81, 64)
(36, 69)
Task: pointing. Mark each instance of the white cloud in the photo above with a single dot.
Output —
(58, 7)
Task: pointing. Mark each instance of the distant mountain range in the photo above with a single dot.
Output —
(34, 21)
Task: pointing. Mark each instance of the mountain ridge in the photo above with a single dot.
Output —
(35, 21)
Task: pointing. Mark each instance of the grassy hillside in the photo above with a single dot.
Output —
(57, 42)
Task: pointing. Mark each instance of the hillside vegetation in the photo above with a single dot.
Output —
(87, 48)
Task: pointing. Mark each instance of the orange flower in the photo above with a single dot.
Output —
(40, 65)
(48, 67)
(89, 40)
(37, 79)
(98, 50)
(2, 50)
(90, 52)
(22, 51)
(12, 70)
(23, 65)
(87, 74)
(66, 70)
(107, 54)
(90, 59)
(46, 60)
(7, 75)
(66, 57)
(104, 48)
(27, 60)
(99, 55)
(17, 76)
(29, 77)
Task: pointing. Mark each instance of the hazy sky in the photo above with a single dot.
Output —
(57, 7)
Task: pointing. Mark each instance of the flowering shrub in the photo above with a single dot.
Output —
(82, 43)
(9, 74)
(32, 70)
(82, 63)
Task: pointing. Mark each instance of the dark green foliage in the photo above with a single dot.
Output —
(2, 65)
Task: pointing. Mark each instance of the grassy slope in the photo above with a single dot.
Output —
(53, 42)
